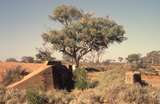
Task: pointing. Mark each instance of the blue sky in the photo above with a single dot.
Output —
(23, 21)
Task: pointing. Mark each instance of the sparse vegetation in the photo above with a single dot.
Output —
(27, 59)
(11, 60)
(116, 91)
(81, 80)
(59, 97)
(134, 60)
(13, 75)
(15, 97)
(152, 57)
(44, 55)
(81, 36)
(33, 96)
(110, 89)
(80, 76)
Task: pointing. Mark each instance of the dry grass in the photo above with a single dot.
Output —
(12, 96)
(13, 75)
(114, 91)
(111, 89)
(5, 66)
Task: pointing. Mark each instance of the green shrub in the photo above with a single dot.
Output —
(80, 77)
(81, 80)
(34, 97)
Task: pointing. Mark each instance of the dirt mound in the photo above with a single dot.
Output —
(33, 79)
(28, 67)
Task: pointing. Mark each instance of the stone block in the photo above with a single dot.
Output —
(132, 77)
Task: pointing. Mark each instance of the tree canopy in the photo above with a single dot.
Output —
(11, 60)
(82, 32)
(27, 59)
(120, 59)
(152, 57)
(44, 55)
(134, 58)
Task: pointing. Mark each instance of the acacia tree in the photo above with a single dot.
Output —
(120, 59)
(44, 55)
(152, 57)
(134, 58)
(82, 32)
(27, 59)
(11, 60)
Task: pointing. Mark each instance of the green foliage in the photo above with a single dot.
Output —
(13, 75)
(82, 33)
(44, 55)
(65, 14)
(135, 60)
(120, 59)
(27, 59)
(34, 97)
(81, 81)
(152, 57)
(11, 60)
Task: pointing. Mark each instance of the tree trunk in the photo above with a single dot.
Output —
(76, 62)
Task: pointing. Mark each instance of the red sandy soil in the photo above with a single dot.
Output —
(158, 66)
(152, 80)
